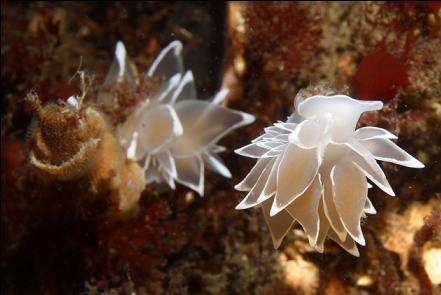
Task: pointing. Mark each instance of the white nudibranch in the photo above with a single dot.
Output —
(313, 169)
(172, 133)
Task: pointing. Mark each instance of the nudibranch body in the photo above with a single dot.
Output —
(313, 169)
(172, 133)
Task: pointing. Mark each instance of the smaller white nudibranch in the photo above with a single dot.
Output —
(313, 169)
(172, 133)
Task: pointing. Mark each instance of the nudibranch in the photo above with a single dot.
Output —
(172, 133)
(313, 169)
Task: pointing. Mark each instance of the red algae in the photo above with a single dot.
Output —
(432, 6)
(379, 76)
(12, 156)
(283, 34)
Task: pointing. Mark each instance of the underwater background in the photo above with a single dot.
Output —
(58, 238)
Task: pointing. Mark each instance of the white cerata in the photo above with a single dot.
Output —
(171, 133)
(313, 169)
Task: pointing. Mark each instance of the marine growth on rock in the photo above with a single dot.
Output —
(72, 141)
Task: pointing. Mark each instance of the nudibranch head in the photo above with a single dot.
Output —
(313, 169)
(172, 133)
